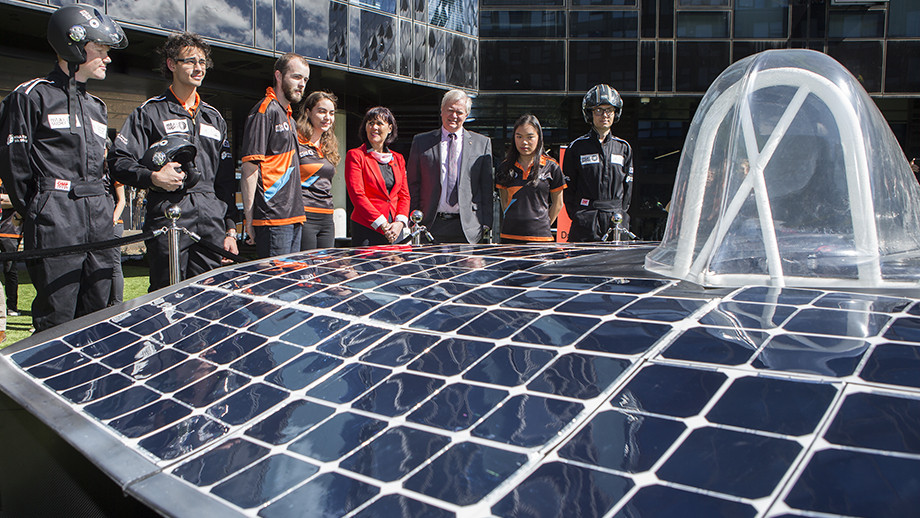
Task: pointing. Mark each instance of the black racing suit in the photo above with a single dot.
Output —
(599, 178)
(55, 180)
(208, 208)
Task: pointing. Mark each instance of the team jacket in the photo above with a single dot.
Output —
(526, 218)
(316, 174)
(599, 177)
(54, 176)
(270, 140)
(154, 120)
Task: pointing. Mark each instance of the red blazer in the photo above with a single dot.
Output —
(367, 191)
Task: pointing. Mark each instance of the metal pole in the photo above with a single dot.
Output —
(173, 213)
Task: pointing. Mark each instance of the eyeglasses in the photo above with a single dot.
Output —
(191, 61)
(604, 111)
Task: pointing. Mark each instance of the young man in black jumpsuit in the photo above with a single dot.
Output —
(599, 169)
(53, 134)
(209, 207)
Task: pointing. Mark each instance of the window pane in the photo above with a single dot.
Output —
(163, 14)
(603, 24)
(522, 24)
(904, 18)
(649, 18)
(666, 18)
(378, 42)
(761, 19)
(265, 25)
(384, 5)
(665, 66)
(311, 28)
(523, 65)
(604, 2)
(284, 31)
(702, 25)
(704, 3)
(743, 49)
(521, 2)
(611, 62)
(227, 20)
(456, 15)
(862, 58)
(868, 24)
(647, 72)
(903, 63)
(699, 63)
(462, 61)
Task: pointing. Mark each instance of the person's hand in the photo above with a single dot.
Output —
(169, 177)
(230, 246)
(250, 233)
(393, 231)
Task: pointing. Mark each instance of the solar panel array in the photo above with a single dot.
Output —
(463, 380)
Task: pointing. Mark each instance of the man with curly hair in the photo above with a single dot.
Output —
(209, 206)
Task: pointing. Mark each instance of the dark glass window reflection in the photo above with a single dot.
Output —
(704, 3)
(603, 24)
(862, 58)
(904, 18)
(618, 59)
(702, 25)
(162, 14)
(856, 24)
(523, 65)
(462, 59)
(311, 28)
(284, 33)
(522, 24)
(228, 20)
(761, 19)
(486, 3)
(901, 70)
(384, 5)
(378, 42)
(700, 64)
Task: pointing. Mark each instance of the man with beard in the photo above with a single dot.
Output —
(209, 206)
(270, 172)
(51, 162)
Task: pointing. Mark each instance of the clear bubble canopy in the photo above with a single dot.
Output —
(790, 176)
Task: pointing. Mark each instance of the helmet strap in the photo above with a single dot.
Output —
(72, 95)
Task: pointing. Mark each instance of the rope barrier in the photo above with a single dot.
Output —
(112, 243)
(212, 247)
(79, 249)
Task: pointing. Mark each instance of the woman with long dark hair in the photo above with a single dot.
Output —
(530, 185)
(376, 181)
(319, 153)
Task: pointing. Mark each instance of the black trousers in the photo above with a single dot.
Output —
(318, 232)
(10, 273)
(69, 286)
(366, 236)
(447, 230)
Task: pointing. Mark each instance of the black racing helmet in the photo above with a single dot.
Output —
(73, 26)
(598, 95)
(173, 148)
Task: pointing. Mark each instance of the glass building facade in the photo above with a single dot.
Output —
(431, 42)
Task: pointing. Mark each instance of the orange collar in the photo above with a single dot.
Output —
(190, 109)
(270, 93)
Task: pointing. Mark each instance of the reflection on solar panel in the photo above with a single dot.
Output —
(479, 380)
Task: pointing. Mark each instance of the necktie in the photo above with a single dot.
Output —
(452, 173)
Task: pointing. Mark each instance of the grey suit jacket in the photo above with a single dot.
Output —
(477, 180)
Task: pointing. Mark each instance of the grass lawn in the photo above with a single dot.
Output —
(17, 328)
